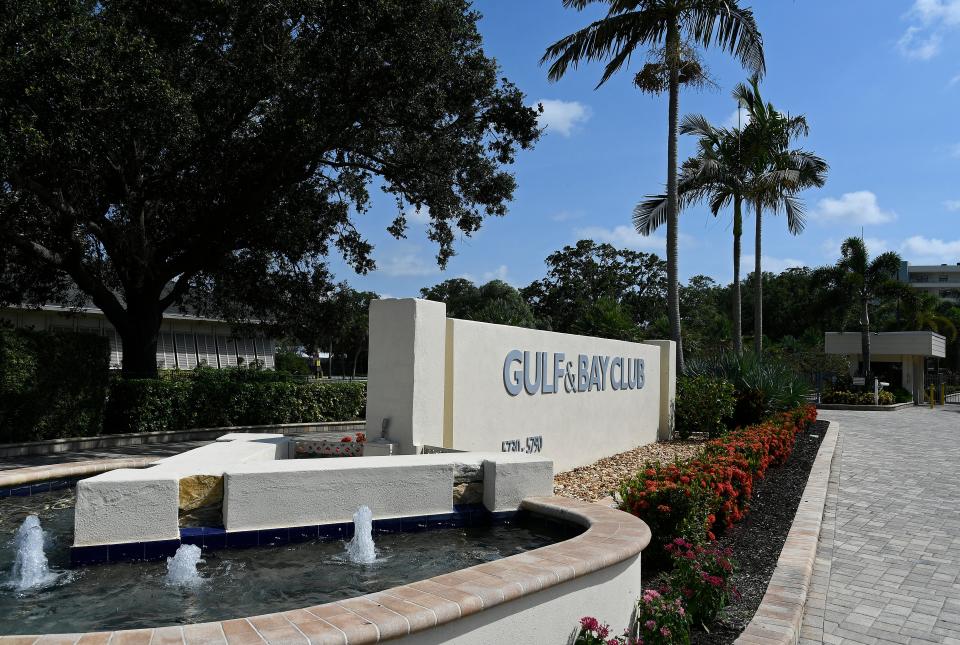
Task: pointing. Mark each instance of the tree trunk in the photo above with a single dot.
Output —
(356, 357)
(737, 313)
(865, 340)
(138, 338)
(758, 285)
(673, 223)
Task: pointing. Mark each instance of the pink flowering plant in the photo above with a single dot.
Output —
(702, 578)
(593, 632)
(662, 619)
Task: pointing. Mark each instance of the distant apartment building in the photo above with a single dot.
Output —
(940, 280)
(185, 341)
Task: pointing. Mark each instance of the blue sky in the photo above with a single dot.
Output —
(879, 82)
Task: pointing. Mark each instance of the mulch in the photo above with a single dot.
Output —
(759, 538)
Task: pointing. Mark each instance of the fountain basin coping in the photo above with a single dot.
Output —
(537, 595)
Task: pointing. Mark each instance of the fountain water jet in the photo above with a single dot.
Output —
(30, 568)
(182, 567)
(361, 549)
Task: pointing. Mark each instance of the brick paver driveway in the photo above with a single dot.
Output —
(888, 563)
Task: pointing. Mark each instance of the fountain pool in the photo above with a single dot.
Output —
(233, 583)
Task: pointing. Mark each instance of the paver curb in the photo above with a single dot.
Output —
(780, 615)
(69, 470)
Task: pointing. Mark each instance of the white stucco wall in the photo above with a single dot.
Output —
(549, 616)
(126, 505)
(405, 382)
(576, 427)
(301, 492)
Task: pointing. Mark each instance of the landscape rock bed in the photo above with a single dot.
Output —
(603, 477)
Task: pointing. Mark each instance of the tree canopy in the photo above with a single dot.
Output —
(620, 290)
(146, 149)
(494, 302)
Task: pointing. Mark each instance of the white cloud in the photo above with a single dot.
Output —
(418, 215)
(566, 216)
(408, 262)
(770, 263)
(740, 116)
(924, 250)
(955, 150)
(627, 237)
(500, 273)
(916, 46)
(934, 17)
(953, 81)
(563, 116)
(875, 246)
(859, 207)
(945, 12)
(952, 204)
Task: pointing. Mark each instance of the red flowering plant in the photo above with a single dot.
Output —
(693, 499)
(662, 619)
(702, 577)
(593, 632)
(673, 499)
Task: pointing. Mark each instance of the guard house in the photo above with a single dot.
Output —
(891, 353)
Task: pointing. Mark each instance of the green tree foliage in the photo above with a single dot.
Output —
(704, 404)
(597, 289)
(670, 30)
(52, 384)
(147, 147)
(495, 302)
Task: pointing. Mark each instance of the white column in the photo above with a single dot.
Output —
(668, 386)
(406, 379)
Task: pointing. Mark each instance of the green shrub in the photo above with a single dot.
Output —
(762, 385)
(52, 384)
(215, 398)
(291, 363)
(900, 395)
(845, 397)
(704, 404)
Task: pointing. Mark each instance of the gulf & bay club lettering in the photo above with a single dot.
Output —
(547, 373)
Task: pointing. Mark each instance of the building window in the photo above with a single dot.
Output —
(919, 277)
(944, 277)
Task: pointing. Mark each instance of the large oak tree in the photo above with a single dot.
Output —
(147, 148)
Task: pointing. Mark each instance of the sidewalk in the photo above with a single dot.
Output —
(888, 564)
(119, 452)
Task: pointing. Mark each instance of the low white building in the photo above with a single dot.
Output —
(908, 349)
(185, 341)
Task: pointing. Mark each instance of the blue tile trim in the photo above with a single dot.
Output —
(214, 538)
(26, 490)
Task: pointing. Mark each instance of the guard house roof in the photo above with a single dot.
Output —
(889, 343)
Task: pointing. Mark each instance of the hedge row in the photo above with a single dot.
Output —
(858, 398)
(692, 499)
(52, 383)
(214, 398)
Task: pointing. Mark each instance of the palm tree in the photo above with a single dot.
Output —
(923, 313)
(778, 174)
(716, 173)
(867, 279)
(666, 24)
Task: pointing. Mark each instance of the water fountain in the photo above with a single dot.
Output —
(361, 549)
(30, 568)
(182, 567)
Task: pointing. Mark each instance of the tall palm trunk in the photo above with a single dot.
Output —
(865, 337)
(737, 313)
(758, 285)
(673, 280)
